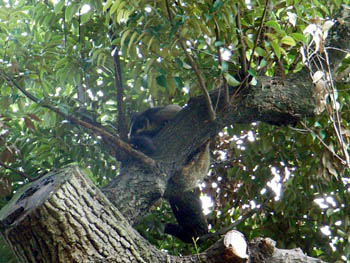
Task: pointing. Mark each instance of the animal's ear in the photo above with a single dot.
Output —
(168, 112)
(140, 123)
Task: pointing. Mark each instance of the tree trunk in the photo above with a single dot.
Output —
(63, 217)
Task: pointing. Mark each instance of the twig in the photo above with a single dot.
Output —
(259, 33)
(226, 91)
(321, 63)
(324, 144)
(230, 227)
(116, 140)
(15, 84)
(294, 64)
(242, 49)
(200, 80)
(118, 84)
(16, 171)
(194, 66)
(337, 123)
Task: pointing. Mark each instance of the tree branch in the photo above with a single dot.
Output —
(226, 91)
(259, 33)
(242, 49)
(125, 147)
(118, 84)
(16, 171)
(194, 66)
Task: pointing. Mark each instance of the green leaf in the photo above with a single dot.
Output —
(185, 65)
(329, 212)
(224, 66)
(70, 11)
(252, 72)
(261, 52)
(131, 42)
(179, 82)
(288, 41)
(276, 48)
(299, 37)
(219, 44)
(341, 233)
(124, 35)
(231, 80)
(276, 26)
(114, 6)
(106, 5)
(59, 6)
(217, 5)
(161, 81)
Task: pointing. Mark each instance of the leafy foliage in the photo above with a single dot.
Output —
(61, 53)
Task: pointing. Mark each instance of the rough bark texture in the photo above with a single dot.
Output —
(63, 217)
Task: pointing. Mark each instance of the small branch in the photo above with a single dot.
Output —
(324, 144)
(259, 33)
(242, 49)
(16, 171)
(118, 84)
(201, 81)
(15, 84)
(294, 64)
(337, 121)
(226, 93)
(224, 230)
(194, 66)
(116, 140)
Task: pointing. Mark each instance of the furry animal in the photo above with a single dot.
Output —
(145, 125)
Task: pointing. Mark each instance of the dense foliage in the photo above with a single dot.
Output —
(289, 181)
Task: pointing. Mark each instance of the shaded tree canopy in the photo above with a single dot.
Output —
(265, 82)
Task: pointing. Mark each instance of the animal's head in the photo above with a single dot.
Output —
(139, 123)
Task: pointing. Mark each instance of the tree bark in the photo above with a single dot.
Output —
(63, 217)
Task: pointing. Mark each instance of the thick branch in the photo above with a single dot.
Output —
(273, 100)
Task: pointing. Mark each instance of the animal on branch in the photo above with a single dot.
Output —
(184, 199)
(185, 203)
(145, 125)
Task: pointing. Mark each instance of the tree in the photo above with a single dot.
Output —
(73, 72)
